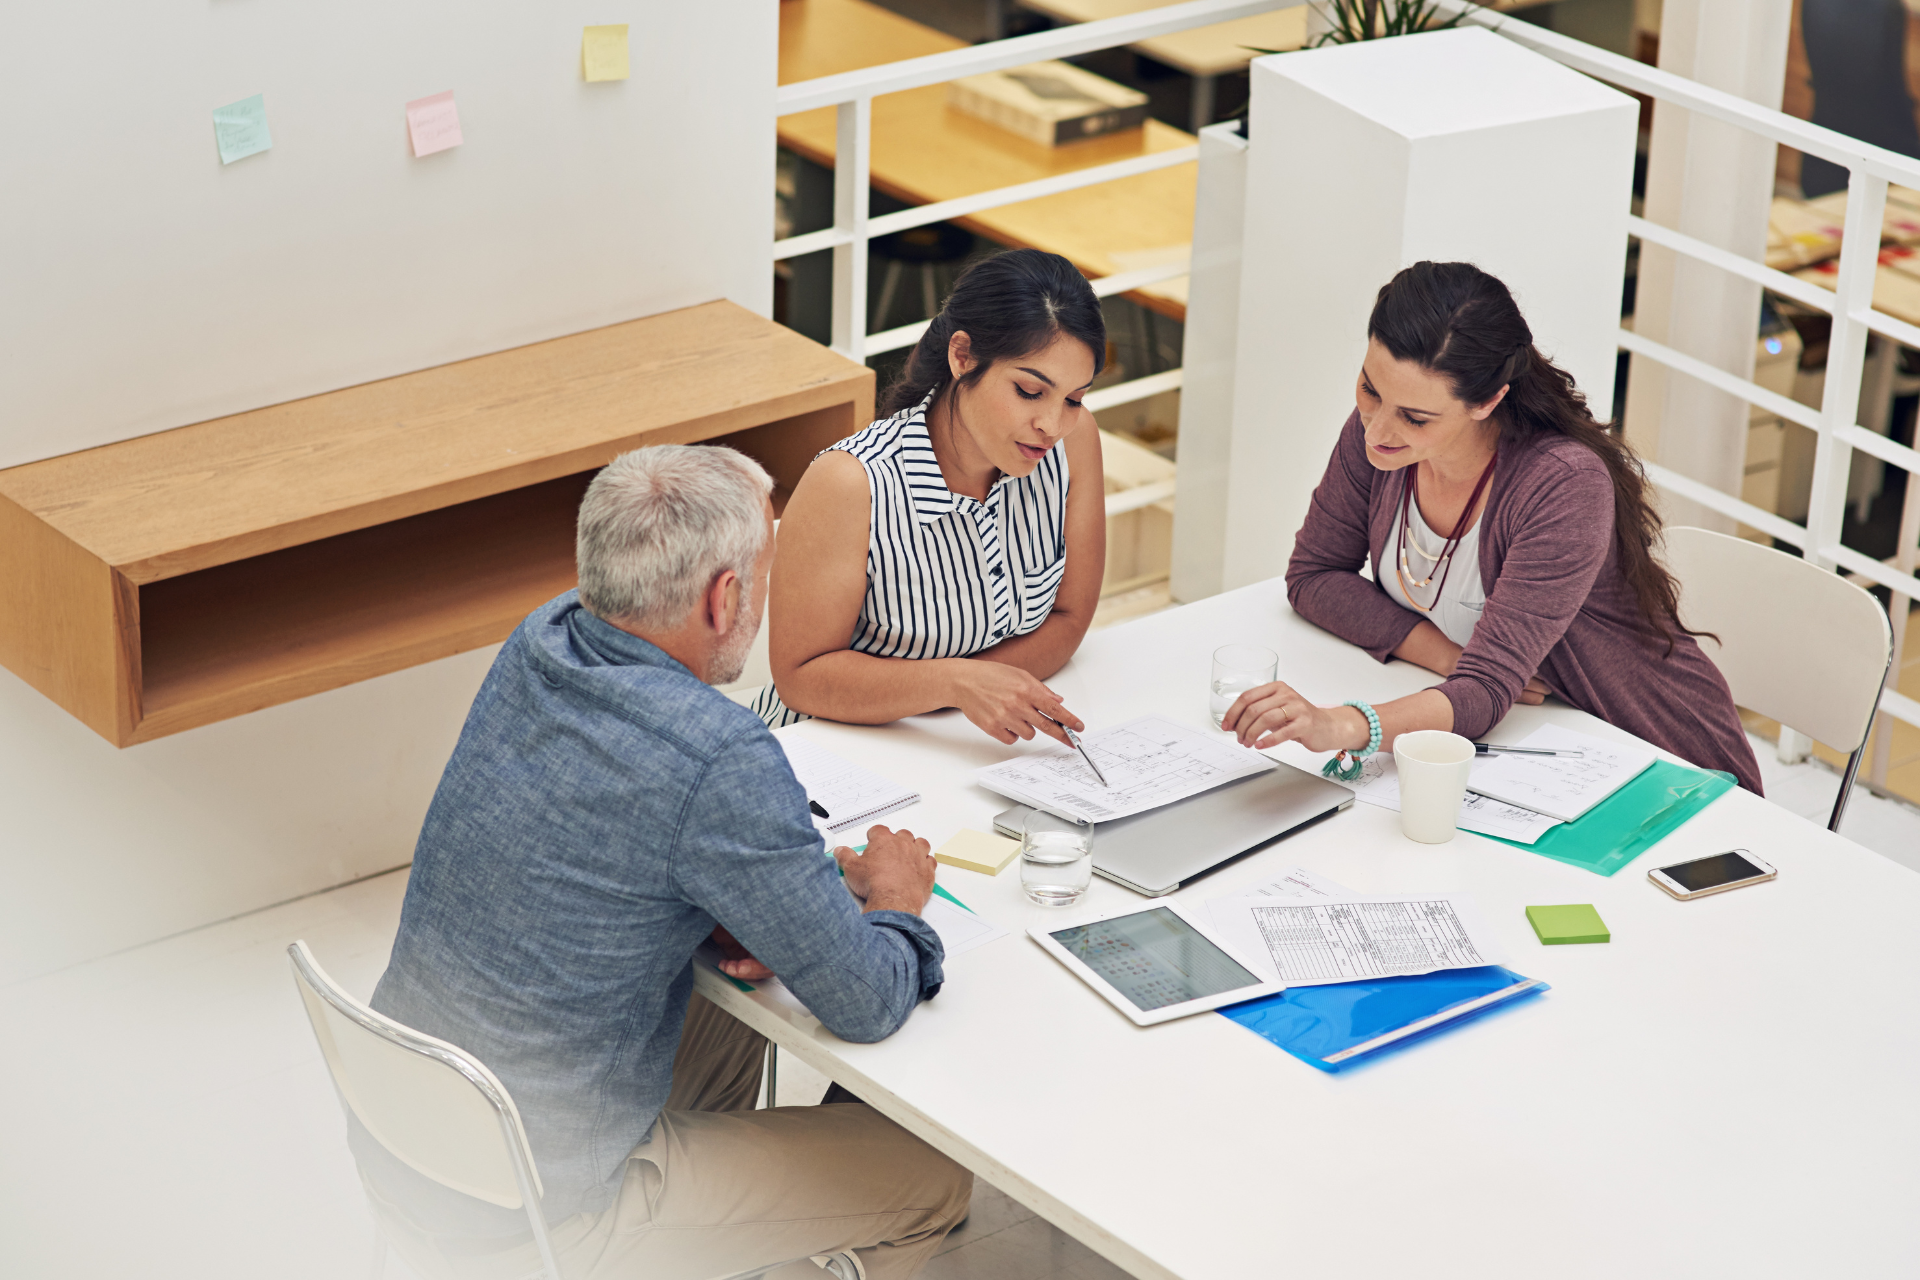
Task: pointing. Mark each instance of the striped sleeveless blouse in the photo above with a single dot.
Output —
(947, 575)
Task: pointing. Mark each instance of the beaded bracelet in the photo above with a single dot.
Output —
(1345, 765)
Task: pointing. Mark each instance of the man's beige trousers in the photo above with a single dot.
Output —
(719, 1188)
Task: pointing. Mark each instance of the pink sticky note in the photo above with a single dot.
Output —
(433, 123)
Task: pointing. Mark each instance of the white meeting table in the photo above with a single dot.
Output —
(1730, 1087)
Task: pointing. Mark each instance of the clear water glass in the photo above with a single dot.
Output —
(1236, 669)
(1056, 859)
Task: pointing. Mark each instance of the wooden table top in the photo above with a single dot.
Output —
(1198, 51)
(924, 151)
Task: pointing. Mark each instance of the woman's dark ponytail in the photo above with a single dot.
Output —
(1009, 305)
(1458, 321)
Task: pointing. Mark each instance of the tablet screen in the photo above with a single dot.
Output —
(1154, 958)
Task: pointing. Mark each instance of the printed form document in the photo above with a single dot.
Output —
(1312, 941)
(1148, 762)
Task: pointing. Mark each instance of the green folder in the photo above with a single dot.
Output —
(1631, 820)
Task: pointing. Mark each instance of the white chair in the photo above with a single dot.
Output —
(437, 1108)
(1797, 644)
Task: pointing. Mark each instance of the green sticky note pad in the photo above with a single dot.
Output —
(240, 129)
(1577, 922)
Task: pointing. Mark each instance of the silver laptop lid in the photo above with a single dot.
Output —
(1157, 851)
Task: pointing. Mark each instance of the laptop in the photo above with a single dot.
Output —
(1156, 852)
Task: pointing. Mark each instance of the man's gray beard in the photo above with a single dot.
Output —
(731, 659)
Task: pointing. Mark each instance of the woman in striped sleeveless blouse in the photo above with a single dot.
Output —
(943, 557)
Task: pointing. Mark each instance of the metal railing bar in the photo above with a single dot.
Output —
(961, 206)
(1145, 495)
(998, 55)
(1801, 135)
(1772, 401)
(1867, 567)
(1900, 706)
(1128, 281)
(812, 242)
(1880, 447)
(1707, 496)
(894, 339)
(1128, 392)
(1886, 326)
(1778, 281)
(1104, 287)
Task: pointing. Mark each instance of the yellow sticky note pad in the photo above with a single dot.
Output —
(603, 52)
(978, 851)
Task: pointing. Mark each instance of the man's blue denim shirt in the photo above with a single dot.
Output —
(602, 812)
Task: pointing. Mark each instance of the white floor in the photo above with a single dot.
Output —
(169, 1115)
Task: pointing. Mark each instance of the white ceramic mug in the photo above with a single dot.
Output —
(1433, 766)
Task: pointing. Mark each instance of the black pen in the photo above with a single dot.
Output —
(818, 812)
(1488, 748)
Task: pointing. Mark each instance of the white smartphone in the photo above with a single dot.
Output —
(1716, 873)
(1153, 963)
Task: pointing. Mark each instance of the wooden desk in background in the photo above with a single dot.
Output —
(923, 151)
(1203, 53)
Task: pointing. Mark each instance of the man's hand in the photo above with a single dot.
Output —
(895, 873)
(739, 962)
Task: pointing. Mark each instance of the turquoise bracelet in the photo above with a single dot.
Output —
(1345, 765)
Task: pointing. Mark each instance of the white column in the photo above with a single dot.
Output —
(1712, 181)
(1207, 364)
(1453, 145)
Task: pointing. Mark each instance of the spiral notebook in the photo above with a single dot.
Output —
(843, 795)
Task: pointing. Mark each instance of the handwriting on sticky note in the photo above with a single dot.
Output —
(603, 52)
(433, 123)
(240, 129)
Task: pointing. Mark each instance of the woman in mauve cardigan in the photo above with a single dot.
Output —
(1454, 400)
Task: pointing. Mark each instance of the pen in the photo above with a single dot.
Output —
(1074, 738)
(818, 812)
(1488, 748)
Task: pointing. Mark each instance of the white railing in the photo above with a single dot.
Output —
(853, 93)
(1850, 304)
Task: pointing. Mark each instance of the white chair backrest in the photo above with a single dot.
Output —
(1797, 644)
(431, 1104)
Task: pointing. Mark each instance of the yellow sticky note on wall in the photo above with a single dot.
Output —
(978, 851)
(603, 53)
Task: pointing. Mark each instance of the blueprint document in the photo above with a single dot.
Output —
(1313, 941)
(1148, 762)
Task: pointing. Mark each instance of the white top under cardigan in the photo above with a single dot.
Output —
(1462, 598)
(948, 575)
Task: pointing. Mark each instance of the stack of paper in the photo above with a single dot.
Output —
(1521, 798)
(1147, 762)
(1562, 786)
(846, 796)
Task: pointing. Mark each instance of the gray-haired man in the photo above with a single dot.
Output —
(604, 812)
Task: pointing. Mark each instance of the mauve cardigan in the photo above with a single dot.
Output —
(1557, 602)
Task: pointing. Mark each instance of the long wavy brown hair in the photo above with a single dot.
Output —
(1461, 323)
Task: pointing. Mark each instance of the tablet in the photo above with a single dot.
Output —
(1153, 963)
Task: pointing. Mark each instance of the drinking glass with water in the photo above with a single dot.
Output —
(1056, 859)
(1236, 669)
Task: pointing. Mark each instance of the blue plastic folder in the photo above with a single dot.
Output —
(1631, 820)
(1338, 1026)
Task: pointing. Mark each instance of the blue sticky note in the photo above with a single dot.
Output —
(241, 128)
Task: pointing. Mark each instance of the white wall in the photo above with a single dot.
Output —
(1452, 146)
(143, 285)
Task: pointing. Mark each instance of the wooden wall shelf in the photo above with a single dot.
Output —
(188, 576)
